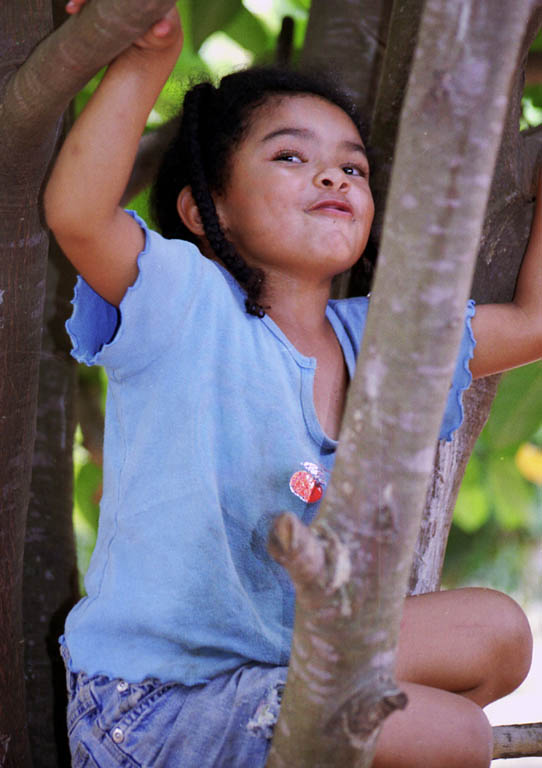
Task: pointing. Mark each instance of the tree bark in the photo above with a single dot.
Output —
(450, 463)
(403, 32)
(23, 252)
(340, 682)
(50, 565)
(523, 740)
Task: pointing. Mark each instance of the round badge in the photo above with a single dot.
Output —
(306, 487)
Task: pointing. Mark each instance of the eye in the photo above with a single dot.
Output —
(355, 170)
(289, 157)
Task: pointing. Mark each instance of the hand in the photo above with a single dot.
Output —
(164, 33)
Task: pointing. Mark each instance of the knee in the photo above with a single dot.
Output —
(476, 748)
(511, 644)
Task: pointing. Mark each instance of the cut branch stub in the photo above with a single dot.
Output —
(361, 716)
(320, 564)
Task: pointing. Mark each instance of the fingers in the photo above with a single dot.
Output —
(164, 33)
(74, 6)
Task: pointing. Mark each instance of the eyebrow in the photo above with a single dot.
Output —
(306, 133)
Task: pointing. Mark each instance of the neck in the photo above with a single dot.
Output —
(298, 308)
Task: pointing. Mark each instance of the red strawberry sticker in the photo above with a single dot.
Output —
(308, 484)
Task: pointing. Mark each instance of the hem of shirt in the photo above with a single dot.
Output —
(466, 375)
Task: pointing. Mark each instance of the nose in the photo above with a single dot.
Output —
(332, 178)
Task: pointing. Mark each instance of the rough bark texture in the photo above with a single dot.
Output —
(450, 463)
(23, 253)
(340, 683)
(50, 568)
(400, 46)
(33, 94)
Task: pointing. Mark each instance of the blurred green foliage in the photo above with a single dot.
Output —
(498, 516)
(498, 519)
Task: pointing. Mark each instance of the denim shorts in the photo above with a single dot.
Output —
(225, 723)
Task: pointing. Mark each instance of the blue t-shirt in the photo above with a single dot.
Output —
(209, 414)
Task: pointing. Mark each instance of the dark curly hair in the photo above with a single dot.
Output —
(213, 123)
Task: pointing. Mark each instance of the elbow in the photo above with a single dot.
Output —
(65, 213)
(56, 212)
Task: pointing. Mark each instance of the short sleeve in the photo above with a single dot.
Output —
(173, 274)
(353, 315)
(461, 380)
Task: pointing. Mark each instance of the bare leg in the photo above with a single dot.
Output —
(458, 651)
(476, 642)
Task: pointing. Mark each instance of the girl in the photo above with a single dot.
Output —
(228, 367)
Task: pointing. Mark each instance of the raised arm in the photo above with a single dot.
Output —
(510, 335)
(83, 194)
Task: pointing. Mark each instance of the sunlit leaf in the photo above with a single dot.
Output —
(247, 30)
(211, 16)
(529, 462)
(517, 411)
(222, 54)
(472, 509)
(512, 497)
(88, 485)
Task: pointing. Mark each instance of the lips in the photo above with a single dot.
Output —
(332, 206)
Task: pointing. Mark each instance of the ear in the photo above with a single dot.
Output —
(188, 211)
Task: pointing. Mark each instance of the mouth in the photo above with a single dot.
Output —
(332, 207)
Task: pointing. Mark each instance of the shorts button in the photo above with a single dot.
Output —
(122, 686)
(118, 735)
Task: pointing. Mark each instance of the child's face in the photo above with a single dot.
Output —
(297, 199)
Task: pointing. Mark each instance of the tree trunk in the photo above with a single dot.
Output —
(349, 36)
(50, 584)
(340, 682)
(23, 254)
(33, 94)
(50, 565)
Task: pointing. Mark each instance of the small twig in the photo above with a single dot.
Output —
(285, 44)
(523, 740)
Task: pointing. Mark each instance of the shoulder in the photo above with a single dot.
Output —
(351, 312)
(176, 289)
(348, 316)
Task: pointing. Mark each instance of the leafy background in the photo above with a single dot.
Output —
(495, 537)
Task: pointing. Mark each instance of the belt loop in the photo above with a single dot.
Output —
(66, 658)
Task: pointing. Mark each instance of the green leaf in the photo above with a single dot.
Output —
(517, 411)
(211, 16)
(87, 491)
(512, 495)
(247, 30)
(304, 4)
(472, 509)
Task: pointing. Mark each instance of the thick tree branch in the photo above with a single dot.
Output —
(403, 32)
(451, 129)
(336, 30)
(450, 464)
(41, 89)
